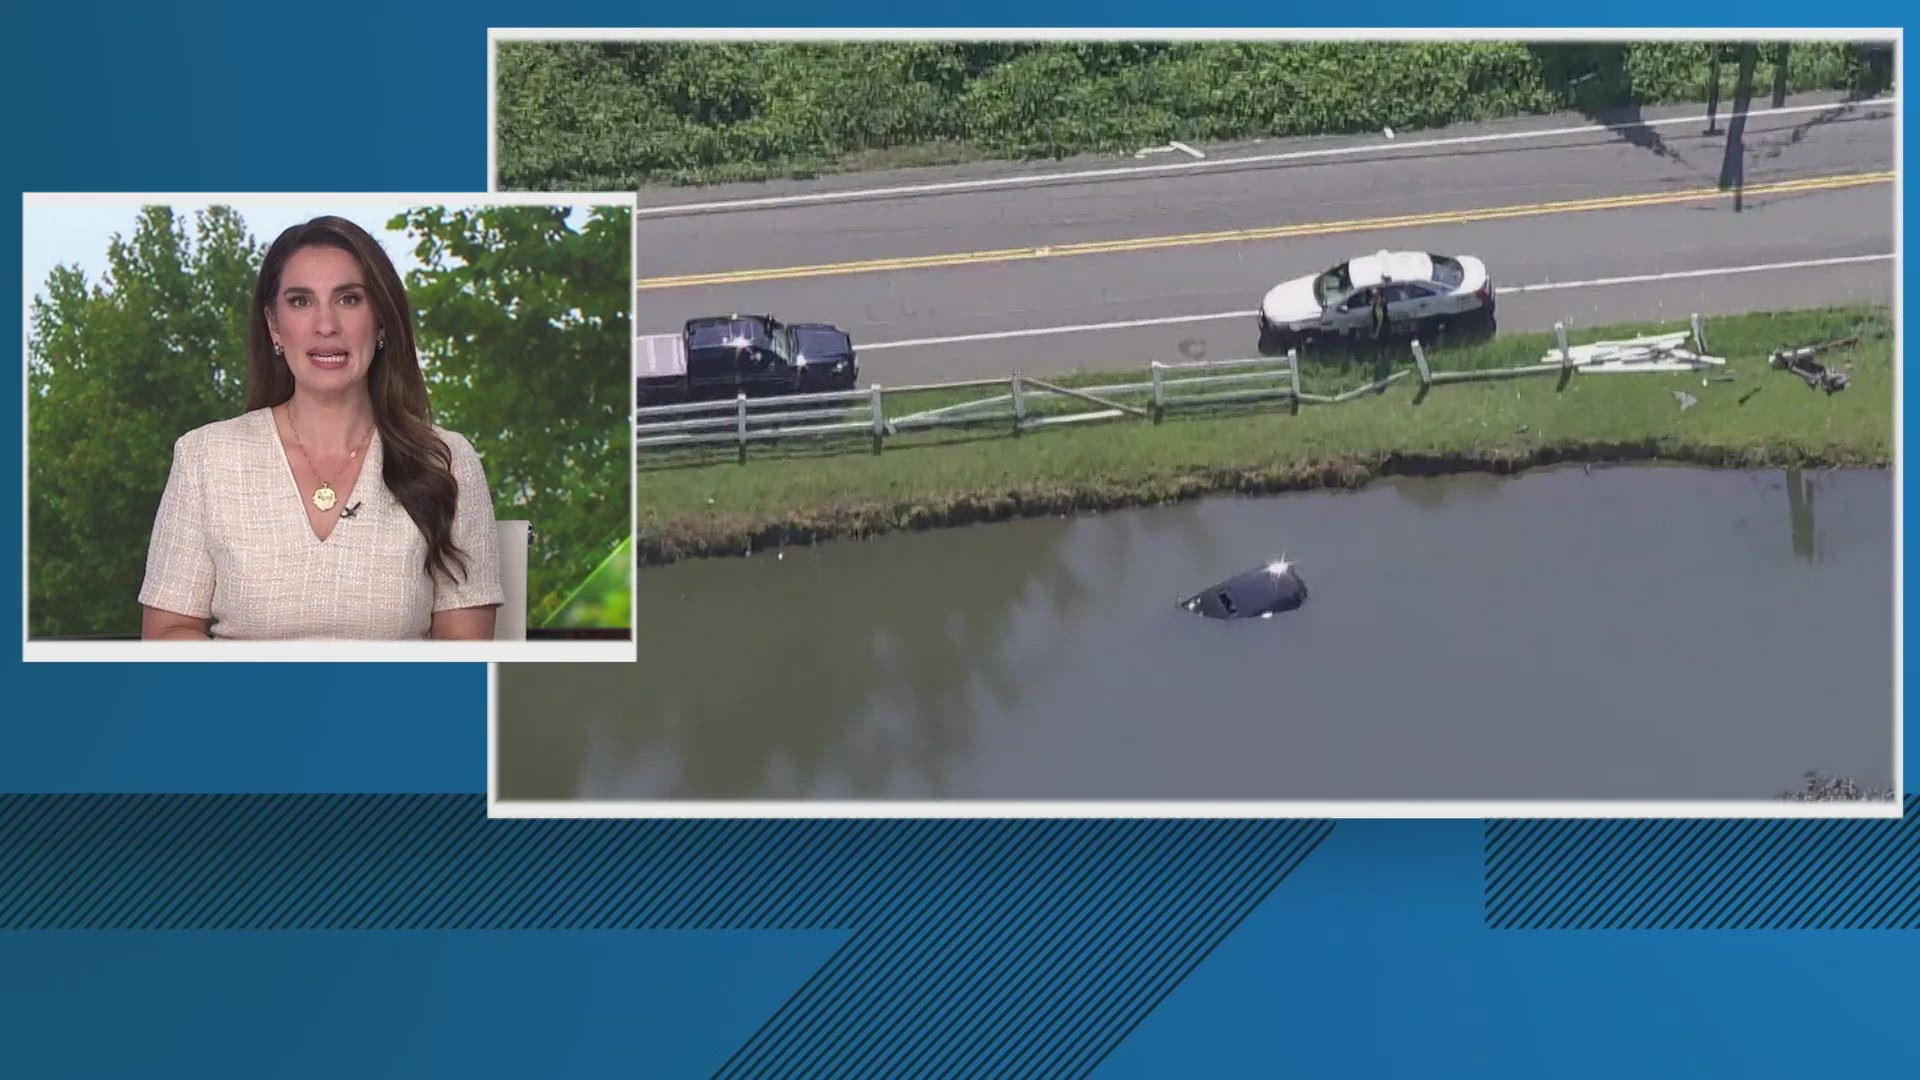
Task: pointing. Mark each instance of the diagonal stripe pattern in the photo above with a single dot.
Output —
(1801, 874)
(979, 947)
(1053, 943)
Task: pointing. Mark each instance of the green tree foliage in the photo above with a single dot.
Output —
(116, 371)
(606, 597)
(525, 333)
(609, 115)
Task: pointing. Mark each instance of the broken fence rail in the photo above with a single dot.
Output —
(1170, 386)
(1647, 353)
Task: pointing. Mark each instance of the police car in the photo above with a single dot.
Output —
(1423, 292)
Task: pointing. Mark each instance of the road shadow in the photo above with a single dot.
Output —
(1870, 76)
(1599, 86)
(1777, 145)
(1800, 491)
(1733, 168)
(1380, 358)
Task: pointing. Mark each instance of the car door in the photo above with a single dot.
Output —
(786, 350)
(1352, 314)
(767, 364)
(1411, 303)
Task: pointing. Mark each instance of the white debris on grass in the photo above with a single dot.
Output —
(1654, 352)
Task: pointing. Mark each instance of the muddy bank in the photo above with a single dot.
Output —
(702, 538)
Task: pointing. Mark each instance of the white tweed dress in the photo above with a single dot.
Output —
(231, 543)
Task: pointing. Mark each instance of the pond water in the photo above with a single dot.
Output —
(1636, 633)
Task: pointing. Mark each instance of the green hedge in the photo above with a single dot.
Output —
(592, 116)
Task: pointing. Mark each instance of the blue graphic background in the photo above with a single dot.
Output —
(1371, 959)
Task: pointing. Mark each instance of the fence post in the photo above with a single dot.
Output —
(740, 423)
(1699, 333)
(1018, 393)
(1159, 399)
(1420, 362)
(1293, 376)
(879, 417)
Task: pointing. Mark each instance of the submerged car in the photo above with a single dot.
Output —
(1256, 594)
(723, 355)
(1423, 292)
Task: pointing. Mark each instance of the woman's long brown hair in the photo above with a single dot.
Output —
(418, 466)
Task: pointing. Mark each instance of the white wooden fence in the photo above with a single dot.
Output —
(1025, 405)
(1029, 403)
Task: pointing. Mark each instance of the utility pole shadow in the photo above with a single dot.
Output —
(1733, 161)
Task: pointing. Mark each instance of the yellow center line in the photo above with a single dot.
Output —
(1273, 232)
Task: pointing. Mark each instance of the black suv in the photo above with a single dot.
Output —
(722, 355)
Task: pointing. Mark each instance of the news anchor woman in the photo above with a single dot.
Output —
(333, 507)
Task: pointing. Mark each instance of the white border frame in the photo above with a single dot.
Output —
(1440, 809)
(55, 650)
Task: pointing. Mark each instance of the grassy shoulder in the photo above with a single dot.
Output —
(708, 504)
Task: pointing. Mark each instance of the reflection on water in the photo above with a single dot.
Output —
(1459, 491)
(1625, 633)
(1800, 488)
(809, 672)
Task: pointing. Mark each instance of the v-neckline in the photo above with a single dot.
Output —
(292, 480)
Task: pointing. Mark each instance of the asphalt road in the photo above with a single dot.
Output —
(1189, 251)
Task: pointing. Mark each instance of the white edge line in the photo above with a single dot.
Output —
(137, 199)
(633, 448)
(1801, 264)
(1203, 33)
(1899, 449)
(493, 118)
(1544, 286)
(1171, 808)
(1208, 163)
(343, 652)
(1043, 331)
(26, 396)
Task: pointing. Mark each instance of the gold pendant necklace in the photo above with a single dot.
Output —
(324, 497)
